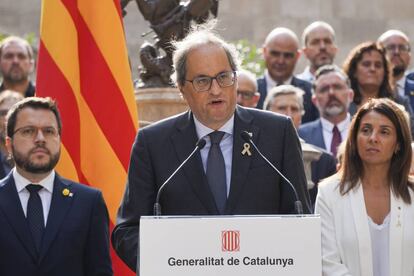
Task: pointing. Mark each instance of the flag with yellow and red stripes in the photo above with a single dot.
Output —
(83, 65)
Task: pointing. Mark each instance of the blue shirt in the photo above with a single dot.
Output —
(226, 145)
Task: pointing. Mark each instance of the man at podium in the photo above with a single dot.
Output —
(226, 175)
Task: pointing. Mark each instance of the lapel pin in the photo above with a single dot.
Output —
(66, 192)
(246, 149)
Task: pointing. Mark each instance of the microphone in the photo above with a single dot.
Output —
(157, 206)
(298, 204)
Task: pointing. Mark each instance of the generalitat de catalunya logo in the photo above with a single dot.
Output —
(230, 240)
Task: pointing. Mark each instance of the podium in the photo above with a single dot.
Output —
(230, 245)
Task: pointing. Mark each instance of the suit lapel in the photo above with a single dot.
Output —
(317, 134)
(184, 141)
(240, 163)
(362, 230)
(396, 235)
(59, 207)
(12, 209)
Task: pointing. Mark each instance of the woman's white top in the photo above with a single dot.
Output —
(380, 237)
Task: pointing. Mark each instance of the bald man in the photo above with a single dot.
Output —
(247, 94)
(281, 52)
(318, 40)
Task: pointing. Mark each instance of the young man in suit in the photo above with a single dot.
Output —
(49, 225)
(332, 95)
(281, 53)
(242, 182)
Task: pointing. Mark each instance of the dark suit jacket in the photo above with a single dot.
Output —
(311, 132)
(323, 168)
(76, 238)
(409, 88)
(255, 188)
(311, 112)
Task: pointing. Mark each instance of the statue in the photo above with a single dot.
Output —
(169, 20)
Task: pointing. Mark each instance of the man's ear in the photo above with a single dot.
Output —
(8, 144)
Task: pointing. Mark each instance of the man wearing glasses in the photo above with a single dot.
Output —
(227, 176)
(281, 53)
(247, 94)
(398, 51)
(49, 225)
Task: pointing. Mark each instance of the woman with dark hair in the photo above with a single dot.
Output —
(369, 72)
(366, 208)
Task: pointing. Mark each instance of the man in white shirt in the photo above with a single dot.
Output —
(332, 96)
(319, 48)
(49, 225)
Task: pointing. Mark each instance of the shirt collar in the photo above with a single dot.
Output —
(202, 130)
(343, 125)
(272, 83)
(22, 182)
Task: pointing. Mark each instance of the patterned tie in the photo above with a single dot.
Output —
(216, 171)
(336, 140)
(35, 214)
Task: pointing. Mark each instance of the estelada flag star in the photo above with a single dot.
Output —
(83, 65)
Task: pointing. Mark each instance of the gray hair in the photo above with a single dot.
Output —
(313, 26)
(249, 75)
(330, 68)
(200, 35)
(18, 40)
(282, 90)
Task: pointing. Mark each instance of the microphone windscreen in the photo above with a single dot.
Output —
(245, 136)
(201, 143)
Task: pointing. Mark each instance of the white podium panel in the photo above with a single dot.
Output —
(230, 245)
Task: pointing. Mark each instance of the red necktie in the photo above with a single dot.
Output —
(336, 140)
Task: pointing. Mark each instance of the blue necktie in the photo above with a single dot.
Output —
(216, 171)
(35, 214)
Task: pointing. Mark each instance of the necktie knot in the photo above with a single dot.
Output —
(33, 188)
(216, 137)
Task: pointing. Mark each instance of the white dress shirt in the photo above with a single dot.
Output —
(226, 145)
(306, 75)
(45, 193)
(327, 130)
(270, 83)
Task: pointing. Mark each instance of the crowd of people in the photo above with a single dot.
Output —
(359, 117)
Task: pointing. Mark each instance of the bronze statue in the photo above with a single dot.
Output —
(169, 20)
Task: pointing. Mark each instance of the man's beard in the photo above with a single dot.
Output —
(25, 163)
(15, 77)
(398, 70)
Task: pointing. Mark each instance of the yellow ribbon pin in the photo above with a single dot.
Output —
(65, 192)
(246, 149)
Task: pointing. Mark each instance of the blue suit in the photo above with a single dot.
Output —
(409, 88)
(76, 237)
(311, 112)
(312, 133)
(326, 165)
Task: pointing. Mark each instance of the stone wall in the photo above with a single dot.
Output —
(354, 20)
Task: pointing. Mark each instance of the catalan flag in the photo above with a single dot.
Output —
(83, 64)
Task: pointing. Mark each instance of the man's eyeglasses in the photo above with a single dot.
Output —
(30, 132)
(400, 47)
(246, 95)
(203, 83)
